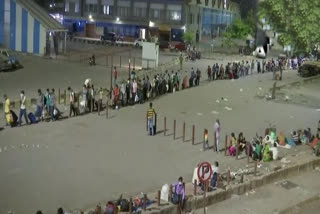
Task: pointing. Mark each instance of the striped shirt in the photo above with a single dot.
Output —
(150, 113)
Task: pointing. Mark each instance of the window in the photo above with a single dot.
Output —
(66, 9)
(140, 12)
(123, 11)
(107, 10)
(156, 14)
(76, 7)
(191, 18)
(199, 17)
(175, 15)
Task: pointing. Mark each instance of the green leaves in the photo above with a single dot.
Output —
(298, 21)
(189, 37)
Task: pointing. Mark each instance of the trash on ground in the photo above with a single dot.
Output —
(228, 108)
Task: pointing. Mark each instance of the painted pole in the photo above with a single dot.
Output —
(174, 129)
(228, 176)
(159, 196)
(165, 126)
(195, 185)
(184, 132)
(193, 133)
(226, 146)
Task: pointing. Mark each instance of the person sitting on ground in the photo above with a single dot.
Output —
(179, 193)
(257, 154)
(242, 142)
(295, 137)
(233, 145)
(215, 174)
(266, 153)
(274, 151)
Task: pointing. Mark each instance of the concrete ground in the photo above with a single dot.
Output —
(78, 162)
(279, 197)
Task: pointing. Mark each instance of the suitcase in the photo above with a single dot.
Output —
(32, 118)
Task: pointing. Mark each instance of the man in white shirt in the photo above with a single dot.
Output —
(274, 151)
(23, 111)
(217, 132)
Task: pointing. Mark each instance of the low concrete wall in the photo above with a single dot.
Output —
(197, 202)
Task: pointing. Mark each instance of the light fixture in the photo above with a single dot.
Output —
(118, 19)
(151, 24)
(184, 28)
(90, 16)
(50, 5)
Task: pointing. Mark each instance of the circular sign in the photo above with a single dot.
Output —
(204, 172)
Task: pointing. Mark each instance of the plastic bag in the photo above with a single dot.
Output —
(165, 192)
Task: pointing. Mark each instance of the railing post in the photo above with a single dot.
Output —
(174, 129)
(130, 206)
(65, 97)
(226, 146)
(255, 167)
(159, 197)
(59, 97)
(165, 126)
(184, 132)
(193, 133)
(195, 187)
(228, 176)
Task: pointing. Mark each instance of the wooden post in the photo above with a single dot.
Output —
(120, 62)
(215, 142)
(241, 178)
(170, 193)
(65, 97)
(228, 176)
(226, 146)
(247, 148)
(98, 209)
(99, 103)
(134, 63)
(204, 196)
(147, 123)
(165, 126)
(237, 150)
(159, 197)
(195, 187)
(107, 107)
(218, 180)
(91, 105)
(59, 97)
(130, 206)
(78, 98)
(184, 132)
(193, 133)
(255, 168)
(174, 129)
(145, 202)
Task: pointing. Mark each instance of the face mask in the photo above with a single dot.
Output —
(180, 183)
(21, 95)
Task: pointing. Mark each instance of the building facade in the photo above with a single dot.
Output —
(166, 18)
(25, 27)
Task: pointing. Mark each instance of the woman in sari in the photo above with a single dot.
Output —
(266, 153)
(233, 145)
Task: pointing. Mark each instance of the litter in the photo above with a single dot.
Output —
(217, 101)
(241, 90)
(284, 160)
(318, 109)
(199, 114)
(260, 88)
(214, 112)
(228, 108)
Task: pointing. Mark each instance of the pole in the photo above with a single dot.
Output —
(215, 142)
(241, 179)
(120, 61)
(228, 176)
(59, 98)
(195, 187)
(107, 60)
(145, 202)
(129, 63)
(165, 126)
(107, 106)
(130, 206)
(204, 196)
(91, 105)
(159, 195)
(170, 193)
(174, 129)
(193, 133)
(184, 132)
(65, 97)
(226, 146)
(255, 168)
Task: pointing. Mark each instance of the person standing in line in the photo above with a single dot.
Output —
(252, 67)
(23, 111)
(209, 72)
(181, 61)
(85, 97)
(47, 100)
(52, 104)
(115, 75)
(217, 132)
(7, 113)
(150, 114)
(72, 102)
(40, 105)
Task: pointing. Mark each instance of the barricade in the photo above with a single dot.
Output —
(193, 134)
(174, 129)
(184, 132)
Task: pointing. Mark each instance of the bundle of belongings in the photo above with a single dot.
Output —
(123, 205)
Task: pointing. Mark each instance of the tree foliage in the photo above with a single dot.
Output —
(239, 29)
(189, 36)
(297, 21)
